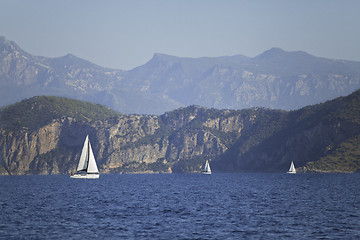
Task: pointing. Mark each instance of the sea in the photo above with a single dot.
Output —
(181, 206)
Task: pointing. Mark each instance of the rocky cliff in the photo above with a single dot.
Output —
(44, 135)
(123, 143)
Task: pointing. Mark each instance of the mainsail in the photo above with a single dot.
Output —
(84, 156)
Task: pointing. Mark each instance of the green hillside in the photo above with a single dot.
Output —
(321, 138)
(343, 158)
(38, 111)
(44, 135)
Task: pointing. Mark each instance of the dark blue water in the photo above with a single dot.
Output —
(181, 206)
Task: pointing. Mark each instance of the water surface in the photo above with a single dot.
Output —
(181, 206)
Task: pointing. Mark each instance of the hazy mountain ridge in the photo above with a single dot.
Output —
(274, 79)
(321, 138)
(23, 75)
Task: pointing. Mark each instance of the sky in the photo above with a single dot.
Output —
(123, 34)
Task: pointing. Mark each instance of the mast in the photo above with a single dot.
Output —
(87, 155)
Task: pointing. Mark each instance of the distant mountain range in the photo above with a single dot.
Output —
(274, 79)
(44, 135)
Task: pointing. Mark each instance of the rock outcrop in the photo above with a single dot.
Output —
(44, 135)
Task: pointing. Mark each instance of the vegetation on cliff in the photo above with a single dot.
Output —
(44, 135)
(313, 137)
(38, 111)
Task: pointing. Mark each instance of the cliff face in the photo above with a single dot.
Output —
(44, 135)
(126, 143)
(19, 149)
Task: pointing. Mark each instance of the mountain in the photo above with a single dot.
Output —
(44, 135)
(319, 138)
(274, 79)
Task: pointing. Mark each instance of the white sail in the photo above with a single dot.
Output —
(87, 167)
(92, 167)
(84, 156)
(207, 169)
(292, 168)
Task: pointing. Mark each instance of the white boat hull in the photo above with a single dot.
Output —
(291, 172)
(207, 173)
(85, 176)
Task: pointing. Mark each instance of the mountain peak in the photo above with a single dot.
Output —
(275, 50)
(271, 53)
(159, 55)
(280, 53)
(9, 46)
(162, 56)
(69, 55)
(2, 39)
(70, 59)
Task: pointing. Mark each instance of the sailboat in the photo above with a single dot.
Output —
(87, 167)
(292, 168)
(207, 169)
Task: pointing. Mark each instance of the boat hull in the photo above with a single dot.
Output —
(85, 176)
(207, 173)
(291, 172)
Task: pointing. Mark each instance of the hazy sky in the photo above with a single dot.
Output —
(125, 34)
